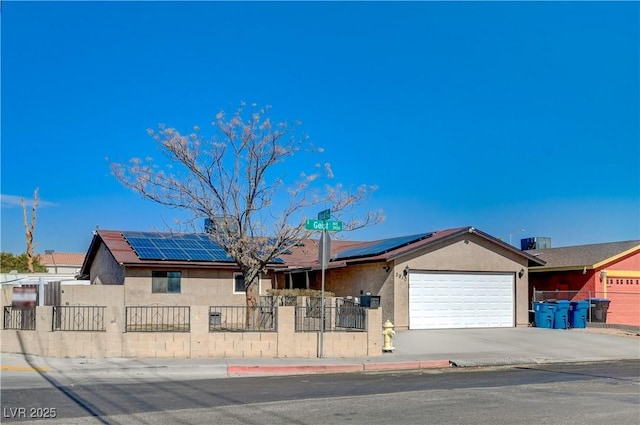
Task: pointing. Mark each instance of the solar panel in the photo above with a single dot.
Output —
(381, 247)
(187, 247)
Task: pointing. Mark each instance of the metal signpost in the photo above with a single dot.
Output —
(324, 224)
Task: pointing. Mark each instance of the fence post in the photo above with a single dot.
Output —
(44, 318)
(114, 318)
(374, 332)
(286, 331)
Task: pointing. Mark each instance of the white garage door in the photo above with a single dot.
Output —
(460, 300)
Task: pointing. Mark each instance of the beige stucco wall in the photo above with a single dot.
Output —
(468, 253)
(376, 278)
(92, 295)
(197, 287)
(105, 270)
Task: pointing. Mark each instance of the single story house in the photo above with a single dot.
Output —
(605, 270)
(454, 278)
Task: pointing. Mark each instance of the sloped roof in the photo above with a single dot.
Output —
(347, 252)
(62, 259)
(302, 256)
(124, 254)
(578, 257)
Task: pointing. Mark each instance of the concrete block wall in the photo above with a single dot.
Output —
(198, 343)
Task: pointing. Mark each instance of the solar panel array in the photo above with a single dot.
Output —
(182, 247)
(381, 247)
(179, 247)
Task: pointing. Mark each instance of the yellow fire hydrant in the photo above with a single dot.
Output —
(388, 333)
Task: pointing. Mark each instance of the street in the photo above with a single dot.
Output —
(589, 393)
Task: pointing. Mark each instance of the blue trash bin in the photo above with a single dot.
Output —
(544, 314)
(561, 315)
(578, 311)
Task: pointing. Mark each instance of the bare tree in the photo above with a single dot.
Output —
(233, 178)
(29, 228)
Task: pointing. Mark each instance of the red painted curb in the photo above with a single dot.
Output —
(299, 369)
(429, 364)
(434, 364)
(392, 366)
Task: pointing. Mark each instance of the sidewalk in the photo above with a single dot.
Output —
(426, 349)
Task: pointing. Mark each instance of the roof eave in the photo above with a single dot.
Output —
(91, 253)
(616, 257)
(543, 269)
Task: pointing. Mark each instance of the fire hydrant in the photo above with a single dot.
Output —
(388, 333)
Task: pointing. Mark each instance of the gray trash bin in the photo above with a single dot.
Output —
(599, 308)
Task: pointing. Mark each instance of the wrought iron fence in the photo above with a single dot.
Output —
(158, 319)
(20, 318)
(243, 319)
(342, 318)
(78, 318)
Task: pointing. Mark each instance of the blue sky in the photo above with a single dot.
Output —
(518, 118)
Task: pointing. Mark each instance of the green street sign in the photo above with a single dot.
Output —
(328, 225)
(324, 215)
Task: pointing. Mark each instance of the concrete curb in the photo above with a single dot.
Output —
(236, 370)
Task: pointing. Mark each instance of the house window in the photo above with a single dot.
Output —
(165, 282)
(238, 283)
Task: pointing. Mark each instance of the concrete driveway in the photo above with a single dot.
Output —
(516, 345)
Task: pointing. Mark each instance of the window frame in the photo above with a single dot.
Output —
(167, 283)
(243, 292)
(234, 282)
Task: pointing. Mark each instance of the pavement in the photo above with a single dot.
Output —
(414, 349)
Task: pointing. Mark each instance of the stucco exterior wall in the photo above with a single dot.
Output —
(197, 287)
(468, 253)
(375, 278)
(98, 295)
(570, 280)
(629, 263)
(105, 270)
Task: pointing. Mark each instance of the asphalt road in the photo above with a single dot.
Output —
(589, 393)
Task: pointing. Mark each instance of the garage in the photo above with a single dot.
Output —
(461, 300)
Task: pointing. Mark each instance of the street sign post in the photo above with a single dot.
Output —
(325, 225)
(324, 251)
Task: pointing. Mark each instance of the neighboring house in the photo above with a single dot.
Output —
(62, 262)
(605, 270)
(455, 278)
(63, 267)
